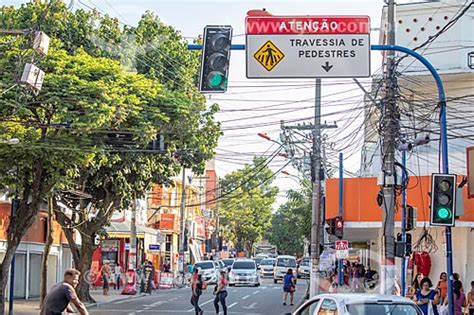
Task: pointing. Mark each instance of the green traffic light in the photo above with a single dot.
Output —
(443, 213)
(216, 79)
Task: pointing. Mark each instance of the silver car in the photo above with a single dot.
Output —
(266, 267)
(304, 269)
(358, 304)
(244, 271)
(208, 270)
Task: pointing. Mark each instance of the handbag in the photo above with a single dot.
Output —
(292, 288)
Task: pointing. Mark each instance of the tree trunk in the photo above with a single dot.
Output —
(47, 249)
(84, 266)
(4, 273)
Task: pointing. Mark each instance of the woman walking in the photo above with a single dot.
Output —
(196, 287)
(288, 286)
(426, 298)
(221, 293)
(105, 273)
(415, 285)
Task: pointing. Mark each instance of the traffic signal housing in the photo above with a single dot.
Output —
(215, 59)
(443, 199)
(339, 228)
(331, 228)
(411, 216)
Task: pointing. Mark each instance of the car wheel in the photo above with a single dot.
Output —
(231, 284)
(275, 281)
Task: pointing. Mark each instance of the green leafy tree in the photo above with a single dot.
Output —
(291, 223)
(68, 132)
(246, 209)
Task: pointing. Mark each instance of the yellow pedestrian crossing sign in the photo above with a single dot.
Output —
(269, 55)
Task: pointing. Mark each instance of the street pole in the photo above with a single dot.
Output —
(390, 130)
(183, 221)
(132, 261)
(404, 221)
(316, 195)
(341, 201)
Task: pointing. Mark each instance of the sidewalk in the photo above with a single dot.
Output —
(31, 306)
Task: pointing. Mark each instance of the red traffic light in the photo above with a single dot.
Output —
(339, 224)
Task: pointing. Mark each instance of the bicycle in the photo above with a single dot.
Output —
(183, 279)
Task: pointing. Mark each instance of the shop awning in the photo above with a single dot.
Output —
(122, 230)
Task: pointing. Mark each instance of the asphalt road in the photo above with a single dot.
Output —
(266, 299)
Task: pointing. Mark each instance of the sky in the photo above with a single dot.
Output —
(257, 106)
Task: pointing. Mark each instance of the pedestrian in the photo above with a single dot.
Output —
(427, 298)
(62, 294)
(196, 288)
(105, 273)
(167, 266)
(470, 299)
(118, 276)
(415, 285)
(442, 287)
(288, 286)
(459, 298)
(220, 292)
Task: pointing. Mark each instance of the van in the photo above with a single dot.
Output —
(282, 264)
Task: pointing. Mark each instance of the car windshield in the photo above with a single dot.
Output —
(228, 262)
(243, 265)
(286, 262)
(304, 263)
(267, 262)
(205, 265)
(378, 309)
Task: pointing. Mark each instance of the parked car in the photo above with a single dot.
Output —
(209, 270)
(282, 264)
(266, 267)
(228, 263)
(304, 269)
(358, 304)
(244, 271)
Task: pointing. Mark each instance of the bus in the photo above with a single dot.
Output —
(264, 249)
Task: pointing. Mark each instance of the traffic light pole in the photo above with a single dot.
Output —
(340, 270)
(404, 222)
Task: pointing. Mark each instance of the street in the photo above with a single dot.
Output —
(266, 299)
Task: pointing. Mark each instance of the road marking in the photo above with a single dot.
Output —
(207, 302)
(232, 305)
(245, 297)
(253, 305)
(256, 292)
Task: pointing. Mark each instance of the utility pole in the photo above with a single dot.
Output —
(132, 261)
(390, 135)
(316, 196)
(183, 221)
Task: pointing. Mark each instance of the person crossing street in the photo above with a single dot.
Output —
(220, 292)
(196, 289)
(289, 286)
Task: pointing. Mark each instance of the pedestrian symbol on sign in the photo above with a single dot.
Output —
(269, 55)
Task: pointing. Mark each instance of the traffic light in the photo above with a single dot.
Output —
(410, 218)
(339, 228)
(443, 199)
(331, 229)
(215, 59)
(403, 249)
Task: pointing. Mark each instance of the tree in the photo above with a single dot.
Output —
(246, 208)
(69, 131)
(291, 223)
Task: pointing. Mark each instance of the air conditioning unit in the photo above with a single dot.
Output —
(32, 78)
(41, 43)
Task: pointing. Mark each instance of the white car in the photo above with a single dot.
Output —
(304, 268)
(208, 271)
(244, 271)
(358, 304)
(266, 267)
(282, 264)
